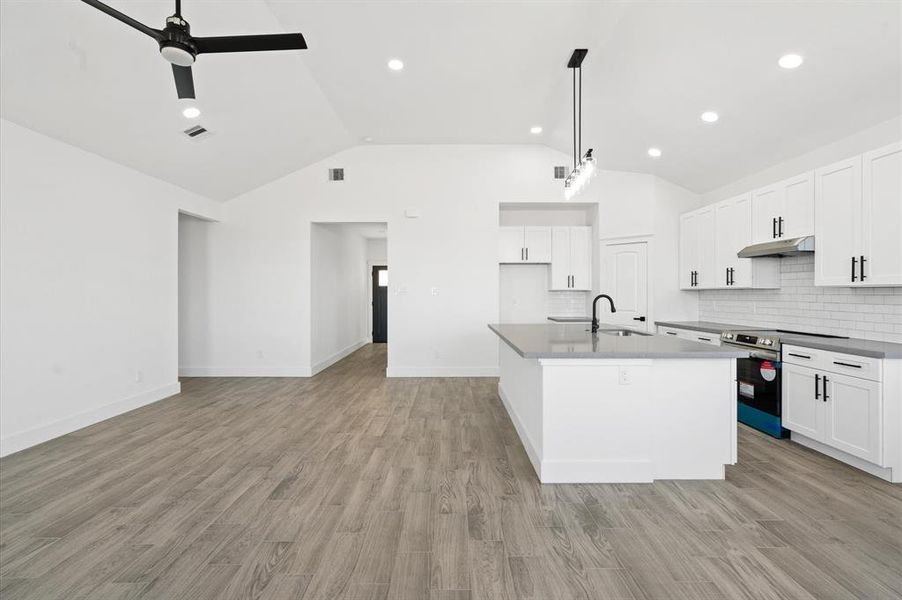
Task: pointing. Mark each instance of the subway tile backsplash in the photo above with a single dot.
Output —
(868, 313)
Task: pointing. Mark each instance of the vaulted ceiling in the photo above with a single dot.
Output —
(475, 72)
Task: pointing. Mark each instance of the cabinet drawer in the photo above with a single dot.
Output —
(669, 331)
(702, 337)
(833, 362)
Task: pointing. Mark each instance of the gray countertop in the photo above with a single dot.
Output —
(857, 347)
(554, 340)
(570, 319)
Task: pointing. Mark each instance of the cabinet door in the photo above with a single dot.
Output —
(560, 258)
(723, 234)
(510, 245)
(802, 401)
(732, 230)
(798, 206)
(688, 249)
(538, 244)
(708, 277)
(581, 258)
(853, 416)
(767, 206)
(837, 222)
(882, 227)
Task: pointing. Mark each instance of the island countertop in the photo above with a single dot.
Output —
(554, 340)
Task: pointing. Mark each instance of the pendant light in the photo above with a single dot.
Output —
(583, 164)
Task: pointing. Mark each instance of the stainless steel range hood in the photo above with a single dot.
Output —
(790, 247)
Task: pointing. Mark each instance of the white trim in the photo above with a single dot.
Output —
(525, 440)
(31, 437)
(244, 372)
(854, 461)
(441, 372)
(328, 362)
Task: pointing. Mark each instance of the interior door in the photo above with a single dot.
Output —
(581, 258)
(882, 202)
(538, 244)
(837, 222)
(511, 245)
(380, 304)
(560, 258)
(626, 280)
(853, 416)
(802, 401)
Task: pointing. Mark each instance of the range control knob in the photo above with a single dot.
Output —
(767, 342)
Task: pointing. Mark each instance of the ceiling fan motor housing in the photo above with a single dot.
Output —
(176, 45)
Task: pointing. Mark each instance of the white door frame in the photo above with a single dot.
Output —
(650, 281)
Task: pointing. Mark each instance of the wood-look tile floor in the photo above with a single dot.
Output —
(348, 486)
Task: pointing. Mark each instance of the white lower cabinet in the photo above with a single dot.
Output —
(835, 409)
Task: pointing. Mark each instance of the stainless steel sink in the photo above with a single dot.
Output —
(622, 332)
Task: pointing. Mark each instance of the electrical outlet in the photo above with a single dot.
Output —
(259, 353)
(434, 291)
(625, 376)
(139, 375)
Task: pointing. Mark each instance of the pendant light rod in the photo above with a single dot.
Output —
(583, 166)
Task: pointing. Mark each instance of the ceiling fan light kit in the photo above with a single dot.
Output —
(583, 164)
(180, 48)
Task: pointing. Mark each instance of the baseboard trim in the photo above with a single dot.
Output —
(534, 458)
(32, 437)
(604, 471)
(441, 372)
(244, 372)
(844, 457)
(328, 362)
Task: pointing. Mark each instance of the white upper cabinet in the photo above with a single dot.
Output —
(698, 263)
(531, 244)
(783, 210)
(881, 240)
(688, 250)
(571, 258)
(858, 219)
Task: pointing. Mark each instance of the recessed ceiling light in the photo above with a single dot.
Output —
(654, 152)
(790, 61)
(192, 112)
(395, 64)
(710, 116)
(535, 130)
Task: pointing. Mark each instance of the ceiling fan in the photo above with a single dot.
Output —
(179, 47)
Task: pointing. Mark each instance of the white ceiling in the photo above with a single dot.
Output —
(476, 72)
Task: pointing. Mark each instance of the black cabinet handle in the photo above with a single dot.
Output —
(732, 278)
(862, 269)
(817, 383)
(671, 333)
(799, 355)
(527, 254)
(639, 319)
(774, 227)
(695, 278)
(780, 227)
(844, 364)
(826, 397)
(728, 276)
(854, 262)
(705, 339)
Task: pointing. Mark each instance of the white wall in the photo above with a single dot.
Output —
(260, 260)
(88, 287)
(868, 139)
(377, 250)
(339, 292)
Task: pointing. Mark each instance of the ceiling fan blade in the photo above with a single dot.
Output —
(154, 33)
(250, 43)
(184, 81)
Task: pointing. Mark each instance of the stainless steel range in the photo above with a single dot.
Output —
(758, 378)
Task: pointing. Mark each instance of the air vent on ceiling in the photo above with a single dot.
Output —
(196, 131)
(560, 172)
(336, 174)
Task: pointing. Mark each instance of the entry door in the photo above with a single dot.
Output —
(626, 281)
(380, 304)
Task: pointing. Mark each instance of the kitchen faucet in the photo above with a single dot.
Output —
(595, 306)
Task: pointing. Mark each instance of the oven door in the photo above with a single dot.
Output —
(759, 393)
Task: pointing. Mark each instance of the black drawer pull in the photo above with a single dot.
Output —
(705, 339)
(817, 383)
(799, 355)
(843, 364)
(670, 333)
(826, 397)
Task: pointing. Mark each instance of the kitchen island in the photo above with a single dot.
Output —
(618, 405)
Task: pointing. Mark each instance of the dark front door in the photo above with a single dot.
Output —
(380, 305)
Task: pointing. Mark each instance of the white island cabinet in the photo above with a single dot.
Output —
(609, 408)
